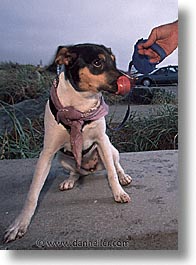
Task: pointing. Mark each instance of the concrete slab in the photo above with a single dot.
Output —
(87, 216)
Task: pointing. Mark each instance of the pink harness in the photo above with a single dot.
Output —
(75, 119)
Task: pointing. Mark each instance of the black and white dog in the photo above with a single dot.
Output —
(75, 124)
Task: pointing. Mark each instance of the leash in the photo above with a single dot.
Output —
(127, 113)
(126, 117)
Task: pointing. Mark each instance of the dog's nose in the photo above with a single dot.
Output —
(124, 85)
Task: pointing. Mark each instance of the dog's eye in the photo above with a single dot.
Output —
(97, 63)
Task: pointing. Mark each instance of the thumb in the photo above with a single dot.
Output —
(151, 39)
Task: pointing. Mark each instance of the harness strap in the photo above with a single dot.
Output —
(54, 112)
(75, 119)
(84, 152)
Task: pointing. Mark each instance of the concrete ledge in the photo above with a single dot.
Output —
(87, 216)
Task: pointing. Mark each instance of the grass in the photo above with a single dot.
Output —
(20, 82)
(24, 141)
(162, 96)
(157, 131)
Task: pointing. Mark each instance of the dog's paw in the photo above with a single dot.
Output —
(122, 197)
(67, 185)
(15, 231)
(124, 179)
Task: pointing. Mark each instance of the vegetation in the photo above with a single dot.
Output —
(24, 141)
(20, 82)
(156, 131)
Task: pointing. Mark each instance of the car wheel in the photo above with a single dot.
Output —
(146, 82)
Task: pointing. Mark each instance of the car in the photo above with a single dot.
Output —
(166, 75)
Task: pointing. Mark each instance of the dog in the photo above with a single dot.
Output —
(75, 126)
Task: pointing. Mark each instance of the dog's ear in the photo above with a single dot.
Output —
(111, 54)
(109, 50)
(65, 56)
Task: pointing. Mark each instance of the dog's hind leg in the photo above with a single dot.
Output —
(69, 164)
(70, 182)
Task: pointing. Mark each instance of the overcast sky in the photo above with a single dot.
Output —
(31, 30)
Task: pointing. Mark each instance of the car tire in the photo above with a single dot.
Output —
(146, 82)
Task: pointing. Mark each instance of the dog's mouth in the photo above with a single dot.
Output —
(120, 86)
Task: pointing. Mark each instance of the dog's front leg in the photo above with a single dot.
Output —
(19, 227)
(105, 152)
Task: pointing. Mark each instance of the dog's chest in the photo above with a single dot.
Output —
(88, 136)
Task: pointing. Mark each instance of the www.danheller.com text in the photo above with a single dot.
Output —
(98, 243)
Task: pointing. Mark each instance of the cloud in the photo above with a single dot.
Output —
(32, 30)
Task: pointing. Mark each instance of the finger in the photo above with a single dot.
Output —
(151, 39)
(155, 59)
(141, 51)
(150, 53)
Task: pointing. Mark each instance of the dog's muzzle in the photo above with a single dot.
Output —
(124, 85)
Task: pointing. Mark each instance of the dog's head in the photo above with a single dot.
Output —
(90, 67)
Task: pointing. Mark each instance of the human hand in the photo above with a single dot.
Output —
(166, 36)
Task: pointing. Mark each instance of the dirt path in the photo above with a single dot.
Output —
(117, 112)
